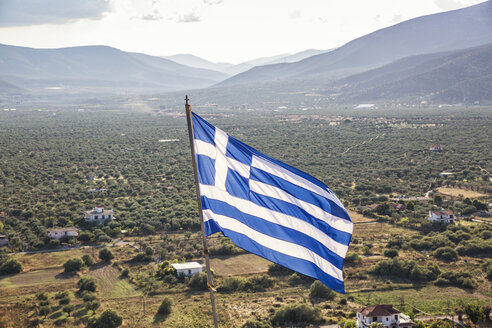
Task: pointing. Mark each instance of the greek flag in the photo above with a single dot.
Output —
(269, 208)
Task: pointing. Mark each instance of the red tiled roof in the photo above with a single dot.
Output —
(379, 310)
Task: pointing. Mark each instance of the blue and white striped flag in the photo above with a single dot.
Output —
(269, 208)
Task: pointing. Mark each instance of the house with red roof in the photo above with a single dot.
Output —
(384, 314)
(442, 216)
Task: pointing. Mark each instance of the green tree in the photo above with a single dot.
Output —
(165, 307)
(68, 309)
(107, 319)
(73, 265)
(474, 312)
(319, 290)
(88, 260)
(438, 200)
(410, 206)
(106, 255)
(92, 306)
(44, 310)
(88, 284)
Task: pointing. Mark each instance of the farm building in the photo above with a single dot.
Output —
(187, 269)
(442, 216)
(98, 214)
(58, 233)
(384, 314)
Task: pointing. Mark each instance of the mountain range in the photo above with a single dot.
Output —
(442, 58)
(233, 69)
(446, 31)
(97, 68)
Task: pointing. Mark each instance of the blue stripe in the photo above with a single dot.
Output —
(273, 230)
(237, 185)
(203, 130)
(325, 204)
(302, 266)
(206, 169)
(281, 206)
(239, 151)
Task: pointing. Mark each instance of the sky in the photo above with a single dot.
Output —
(218, 30)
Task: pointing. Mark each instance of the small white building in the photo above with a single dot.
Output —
(385, 314)
(187, 269)
(442, 216)
(58, 233)
(98, 214)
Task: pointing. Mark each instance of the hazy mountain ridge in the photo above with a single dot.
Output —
(459, 76)
(82, 66)
(231, 69)
(446, 31)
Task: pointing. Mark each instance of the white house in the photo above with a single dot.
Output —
(98, 214)
(385, 314)
(58, 233)
(187, 269)
(443, 216)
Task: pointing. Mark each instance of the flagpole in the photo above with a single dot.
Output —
(199, 201)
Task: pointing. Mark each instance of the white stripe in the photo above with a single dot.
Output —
(285, 174)
(241, 168)
(205, 148)
(281, 246)
(271, 191)
(221, 139)
(282, 219)
(209, 150)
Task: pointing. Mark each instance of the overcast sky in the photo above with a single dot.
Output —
(218, 30)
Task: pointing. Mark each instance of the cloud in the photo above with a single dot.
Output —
(36, 12)
(397, 18)
(448, 4)
(296, 14)
(154, 16)
(189, 18)
(212, 2)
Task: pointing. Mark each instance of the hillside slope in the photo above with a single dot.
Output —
(96, 67)
(458, 29)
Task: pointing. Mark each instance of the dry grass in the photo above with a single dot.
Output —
(110, 285)
(239, 264)
(460, 193)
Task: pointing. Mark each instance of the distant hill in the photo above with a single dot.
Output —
(231, 69)
(197, 62)
(98, 68)
(462, 76)
(458, 29)
(6, 88)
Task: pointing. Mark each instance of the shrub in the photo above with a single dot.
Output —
(42, 296)
(165, 307)
(142, 257)
(106, 255)
(92, 306)
(447, 254)
(353, 258)
(296, 313)
(64, 301)
(124, 273)
(88, 296)
(62, 295)
(44, 310)
(406, 269)
(88, 260)
(275, 269)
(256, 324)
(454, 278)
(231, 284)
(87, 283)
(319, 290)
(391, 253)
(474, 312)
(68, 309)
(73, 265)
(108, 319)
(198, 281)
(10, 266)
(476, 247)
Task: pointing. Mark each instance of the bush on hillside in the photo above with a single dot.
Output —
(295, 314)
